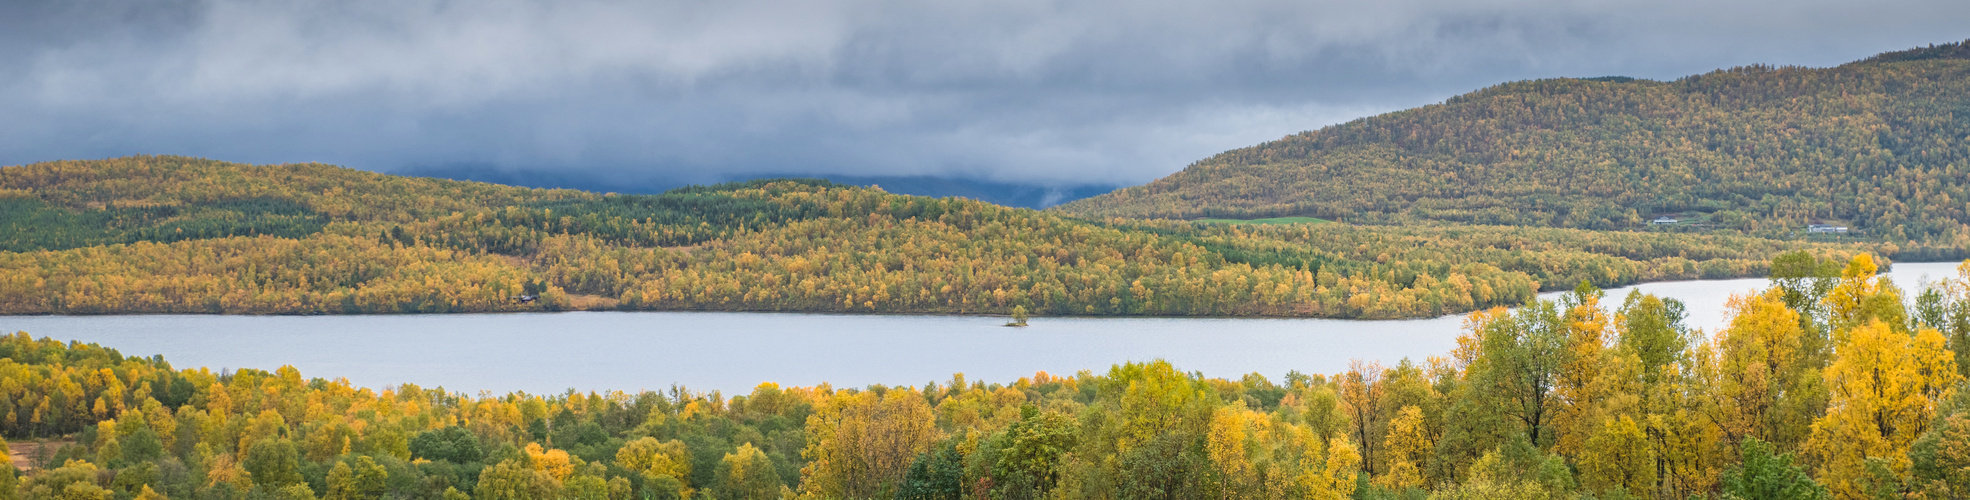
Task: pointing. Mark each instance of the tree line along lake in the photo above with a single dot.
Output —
(731, 352)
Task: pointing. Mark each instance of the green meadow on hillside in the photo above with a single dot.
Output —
(1272, 220)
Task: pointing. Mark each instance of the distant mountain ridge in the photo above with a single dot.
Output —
(1881, 144)
(1011, 194)
(997, 193)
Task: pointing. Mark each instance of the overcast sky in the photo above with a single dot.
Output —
(1032, 91)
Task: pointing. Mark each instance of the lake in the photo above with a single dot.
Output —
(731, 352)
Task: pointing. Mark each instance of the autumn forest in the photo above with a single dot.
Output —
(1513, 207)
(1823, 386)
(1876, 144)
(161, 234)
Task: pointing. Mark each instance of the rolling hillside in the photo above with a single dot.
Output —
(158, 234)
(1881, 144)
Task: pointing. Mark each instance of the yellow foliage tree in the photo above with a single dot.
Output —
(1619, 457)
(1861, 296)
(148, 494)
(656, 458)
(746, 474)
(861, 444)
(1227, 444)
(1407, 449)
(1759, 378)
(1885, 386)
(555, 463)
(1582, 384)
(1335, 479)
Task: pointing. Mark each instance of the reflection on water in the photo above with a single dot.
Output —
(551, 352)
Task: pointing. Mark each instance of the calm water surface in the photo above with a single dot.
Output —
(731, 352)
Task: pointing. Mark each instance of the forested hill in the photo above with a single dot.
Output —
(157, 234)
(1881, 144)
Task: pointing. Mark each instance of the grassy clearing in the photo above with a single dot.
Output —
(1274, 220)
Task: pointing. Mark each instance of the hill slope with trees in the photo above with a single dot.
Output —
(159, 234)
(1881, 144)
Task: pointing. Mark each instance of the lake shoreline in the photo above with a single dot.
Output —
(733, 351)
(1884, 270)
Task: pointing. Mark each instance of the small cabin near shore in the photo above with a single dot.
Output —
(1663, 221)
(1826, 228)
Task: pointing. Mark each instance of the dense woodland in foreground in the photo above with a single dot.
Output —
(158, 234)
(1824, 386)
(1881, 144)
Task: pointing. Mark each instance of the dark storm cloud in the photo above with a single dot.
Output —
(1101, 91)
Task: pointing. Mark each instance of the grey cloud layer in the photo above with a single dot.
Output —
(1116, 91)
